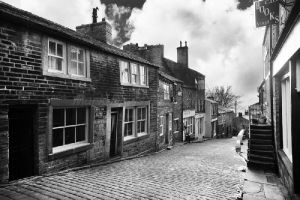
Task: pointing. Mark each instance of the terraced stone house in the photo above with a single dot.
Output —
(69, 97)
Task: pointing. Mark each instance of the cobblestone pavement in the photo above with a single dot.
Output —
(207, 170)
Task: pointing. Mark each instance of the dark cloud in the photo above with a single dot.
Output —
(119, 12)
(125, 3)
(244, 4)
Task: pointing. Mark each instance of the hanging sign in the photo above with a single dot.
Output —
(266, 12)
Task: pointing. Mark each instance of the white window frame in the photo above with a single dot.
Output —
(166, 88)
(124, 76)
(161, 126)
(126, 137)
(64, 57)
(135, 121)
(141, 120)
(77, 61)
(143, 73)
(66, 147)
(66, 62)
(134, 73)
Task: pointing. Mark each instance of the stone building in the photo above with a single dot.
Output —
(191, 111)
(225, 118)
(282, 57)
(67, 98)
(168, 106)
(211, 118)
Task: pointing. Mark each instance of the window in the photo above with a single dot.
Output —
(141, 120)
(69, 127)
(66, 61)
(124, 72)
(176, 124)
(56, 56)
(77, 61)
(143, 75)
(129, 122)
(189, 123)
(135, 122)
(166, 91)
(133, 74)
(161, 126)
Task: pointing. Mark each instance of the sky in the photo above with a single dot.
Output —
(223, 42)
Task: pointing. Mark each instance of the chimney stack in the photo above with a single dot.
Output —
(98, 30)
(182, 54)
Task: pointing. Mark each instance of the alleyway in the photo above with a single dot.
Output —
(205, 170)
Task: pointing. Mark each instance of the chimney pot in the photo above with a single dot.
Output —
(186, 43)
(103, 19)
(180, 44)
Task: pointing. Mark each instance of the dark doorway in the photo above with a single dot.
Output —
(167, 129)
(116, 134)
(21, 157)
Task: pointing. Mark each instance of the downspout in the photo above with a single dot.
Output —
(271, 99)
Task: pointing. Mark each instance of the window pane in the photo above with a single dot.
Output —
(57, 137)
(59, 64)
(143, 113)
(71, 116)
(139, 113)
(81, 115)
(59, 50)
(143, 126)
(139, 127)
(80, 69)
(70, 135)
(52, 47)
(129, 128)
(80, 133)
(130, 114)
(73, 68)
(58, 117)
(126, 115)
(51, 62)
(74, 54)
(80, 55)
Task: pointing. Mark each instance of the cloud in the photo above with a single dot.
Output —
(69, 13)
(223, 41)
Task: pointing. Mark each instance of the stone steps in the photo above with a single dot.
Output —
(260, 148)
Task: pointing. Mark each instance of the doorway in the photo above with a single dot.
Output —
(116, 136)
(21, 141)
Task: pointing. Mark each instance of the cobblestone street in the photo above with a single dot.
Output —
(207, 170)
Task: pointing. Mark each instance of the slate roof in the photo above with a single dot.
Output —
(171, 78)
(23, 17)
(181, 72)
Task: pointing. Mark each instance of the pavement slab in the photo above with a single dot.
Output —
(207, 170)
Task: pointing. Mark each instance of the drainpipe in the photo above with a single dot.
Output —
(271, 99)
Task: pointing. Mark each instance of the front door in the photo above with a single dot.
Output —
(21, 157)
(114, 134)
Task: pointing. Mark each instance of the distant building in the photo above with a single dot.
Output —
(240, 122)
(192, 110)
(211, 118)
(225, 121)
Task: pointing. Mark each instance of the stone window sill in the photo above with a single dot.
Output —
(136, 139)
(71, 151)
